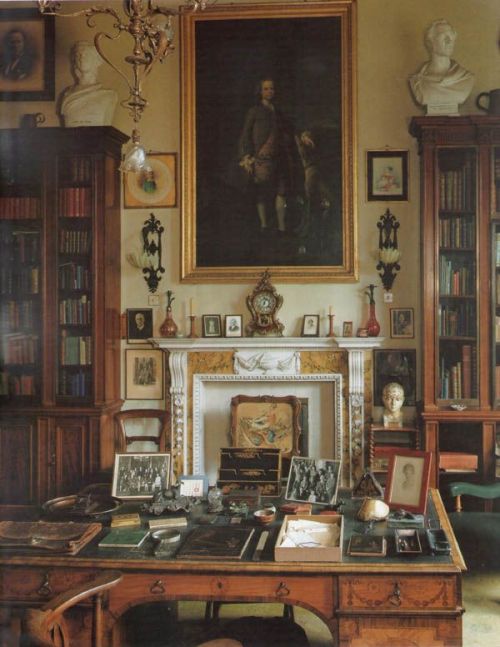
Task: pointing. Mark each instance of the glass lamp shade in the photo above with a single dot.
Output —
(135, 156)
(389, 255)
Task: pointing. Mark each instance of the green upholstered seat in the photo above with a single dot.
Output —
(483, 491)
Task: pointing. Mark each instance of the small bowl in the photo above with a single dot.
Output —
(265, 516)
(457, 406)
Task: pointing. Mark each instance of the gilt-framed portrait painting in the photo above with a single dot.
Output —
(267, 142)
(26, 55)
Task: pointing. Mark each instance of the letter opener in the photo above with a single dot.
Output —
(260, 545)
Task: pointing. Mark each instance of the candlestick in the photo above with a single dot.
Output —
(192, 333)
(191, 306)
(330, 310)
(330, 332)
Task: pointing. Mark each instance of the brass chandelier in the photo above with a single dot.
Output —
(150, 28)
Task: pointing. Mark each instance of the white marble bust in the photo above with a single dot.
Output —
(86, 102)
(441, 84)
(393, 396)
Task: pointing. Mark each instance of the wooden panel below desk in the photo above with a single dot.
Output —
(400, 632)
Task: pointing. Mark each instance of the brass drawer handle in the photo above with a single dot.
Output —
(45, 589)
(395, 598)
(282, 590)
(157, 588)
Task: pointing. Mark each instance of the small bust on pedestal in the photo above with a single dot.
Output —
(393, 396)
(441, 84)
(86, 102)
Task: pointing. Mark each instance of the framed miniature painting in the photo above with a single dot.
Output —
(310, 326)
(139, 325)
(26, 55)
(387, 175)
(212, 326)
(313, 480)
(139, 476)
(402, 323)
(408, 480)
(233, 326)
(144, 374)
(266, 421)
(302, 227)
(155, 186)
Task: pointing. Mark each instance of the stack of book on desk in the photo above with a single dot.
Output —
(58, 538)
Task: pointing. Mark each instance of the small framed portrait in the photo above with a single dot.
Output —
(395, 365)
(195, 485)
(212, 326)
(347, 329)
(140, 476)
(26, 55)
(139, 325)
(402, 323)
(315, 480)
(143, 374)
(387, 175)
(233, 326)
(408, 480)
(155, 186)
(310, 326)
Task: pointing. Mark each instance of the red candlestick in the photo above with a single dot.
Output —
(192, 319)
(330, 332)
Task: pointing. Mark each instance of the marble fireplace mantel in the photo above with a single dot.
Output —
(263, 358)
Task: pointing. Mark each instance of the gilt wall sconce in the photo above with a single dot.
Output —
(388, 252)
(149, 259)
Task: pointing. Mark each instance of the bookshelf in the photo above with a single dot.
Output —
(59, 309)
(460, 177)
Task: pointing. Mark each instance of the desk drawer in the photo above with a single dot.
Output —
(38, 584)
(392, 592)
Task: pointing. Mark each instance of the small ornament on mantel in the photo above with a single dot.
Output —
(372, 325)
(169, 327)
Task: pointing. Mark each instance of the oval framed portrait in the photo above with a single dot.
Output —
(155, 186)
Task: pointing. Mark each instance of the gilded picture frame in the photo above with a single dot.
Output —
(295, 214)
(26, 55)
(266, 422)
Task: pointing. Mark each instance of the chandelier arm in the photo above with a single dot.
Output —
(97, 43)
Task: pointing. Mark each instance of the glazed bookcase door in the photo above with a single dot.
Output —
(21, 270)
(495, 279)
(457, 329)
(75, 222)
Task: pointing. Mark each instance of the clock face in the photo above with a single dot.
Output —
(265, 302)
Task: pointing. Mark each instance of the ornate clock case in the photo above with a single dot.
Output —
(263, 303)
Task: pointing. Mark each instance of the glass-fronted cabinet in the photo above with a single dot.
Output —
(460, 221)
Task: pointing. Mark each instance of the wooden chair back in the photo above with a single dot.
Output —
(128, 422)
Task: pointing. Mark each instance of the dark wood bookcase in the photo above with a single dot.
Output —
(59, 309)
(460, 219)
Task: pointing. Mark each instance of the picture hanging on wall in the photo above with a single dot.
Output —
(155, 186)
(387, 175)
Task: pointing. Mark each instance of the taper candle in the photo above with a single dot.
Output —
(191, 306)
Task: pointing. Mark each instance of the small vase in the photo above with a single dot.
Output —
(169, 327)
(372, 325)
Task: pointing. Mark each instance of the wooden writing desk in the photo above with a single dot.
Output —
(365, 602)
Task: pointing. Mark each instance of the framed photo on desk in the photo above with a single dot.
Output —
(139, 476)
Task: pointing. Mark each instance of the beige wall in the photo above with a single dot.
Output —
(389, 48)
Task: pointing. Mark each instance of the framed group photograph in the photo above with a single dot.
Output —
(233, 326)
(139, 325)
(212, 326)
(314, 480)
(139, 476)
(408, 480)
(310, 326)
(155, 186)
(26, 55)
(143, 374)
(387, 175)
(266, 422)
(402, 326)
(288, 207)
(395, 365)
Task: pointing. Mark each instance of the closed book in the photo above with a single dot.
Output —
(221, 542)
(466, 371)
(367, 546)
(124, 538)
(120, 520)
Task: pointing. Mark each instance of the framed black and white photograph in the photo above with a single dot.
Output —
(347, 329)
(139, 325)
(387, 175)
(143, 374)
(310, 326)
(287, 205)
(212, 326)
(140, 476)
(26, 55)
(315, 480)
(395, 365)
(402, 326)
(195, 485)
(408, 480)
(233, 326)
